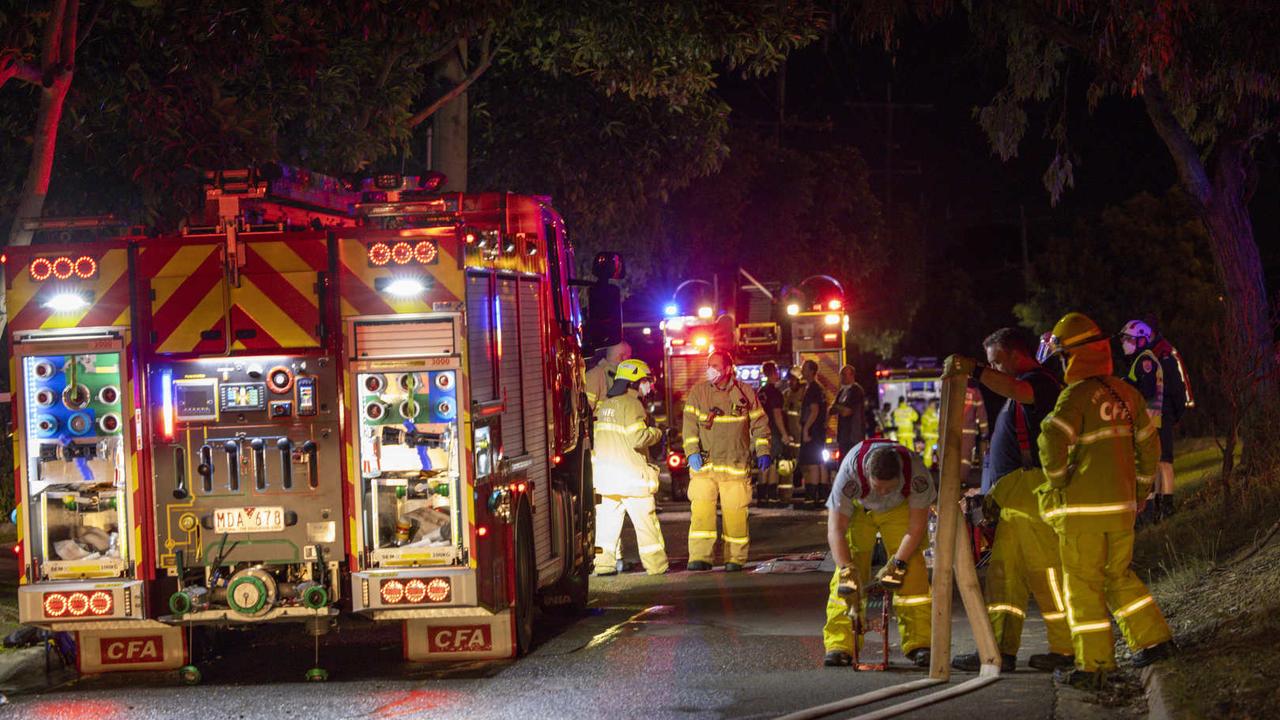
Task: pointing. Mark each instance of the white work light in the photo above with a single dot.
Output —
(405, 287)
(67, 302)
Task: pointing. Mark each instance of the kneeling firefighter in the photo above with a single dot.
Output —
(1099, 450)
(624, 479)
(880, 487)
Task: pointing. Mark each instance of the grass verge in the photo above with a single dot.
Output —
(1224, 608)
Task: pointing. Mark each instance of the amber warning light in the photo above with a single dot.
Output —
(422, 252)
(62, 268)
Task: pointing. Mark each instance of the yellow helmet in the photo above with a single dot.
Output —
(632, 370)
(1083, 345)
(1072, 331)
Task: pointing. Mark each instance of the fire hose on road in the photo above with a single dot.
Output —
(954, 564)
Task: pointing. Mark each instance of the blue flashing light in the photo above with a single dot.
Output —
(671, 310)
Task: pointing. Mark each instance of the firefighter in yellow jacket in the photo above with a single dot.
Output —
(723, 425)
(624, 479)
(929, 431)
(1099, 450)
(881, 487)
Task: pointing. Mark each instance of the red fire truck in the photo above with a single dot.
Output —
(318, 398)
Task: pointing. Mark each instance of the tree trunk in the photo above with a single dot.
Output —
(31, 203)
(449, 132)
(1239, 267)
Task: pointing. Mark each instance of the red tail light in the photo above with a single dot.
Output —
(674, 461)
(425, 252)
(415, 591)
(41, 269)
(78, 604)
(85, 267)
(63, 267)
(100, 602)
(392, 591)
(55, 604)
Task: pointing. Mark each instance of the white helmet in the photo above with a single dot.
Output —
(1135, 335)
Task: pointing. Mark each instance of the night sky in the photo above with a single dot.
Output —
(946, 173)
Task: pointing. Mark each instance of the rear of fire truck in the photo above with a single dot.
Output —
(243, 416)
(84, 554)
(464, 420)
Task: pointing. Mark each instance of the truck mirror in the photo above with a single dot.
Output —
(604, 315)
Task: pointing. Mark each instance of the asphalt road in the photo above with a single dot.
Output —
(683, 645)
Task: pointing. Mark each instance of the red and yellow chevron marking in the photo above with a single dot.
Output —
(108, 306)
(277, 298)
(188, 295)
(357, 279)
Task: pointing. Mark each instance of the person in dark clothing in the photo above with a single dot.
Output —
(1024, 555)
(849, 409)
(813, 432)
(770, 394)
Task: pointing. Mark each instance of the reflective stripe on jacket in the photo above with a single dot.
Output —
(1099, 450)
(619, 467)
(725, 425)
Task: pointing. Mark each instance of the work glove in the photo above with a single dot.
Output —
(847, 588)
(891, 575)
(695, 462)
(763, 462)
(958, 366)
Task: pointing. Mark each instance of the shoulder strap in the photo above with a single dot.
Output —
(905, 456)
(1024, 435)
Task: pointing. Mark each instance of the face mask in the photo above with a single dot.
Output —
(1129, 347)
(712, 374)
(645, 388)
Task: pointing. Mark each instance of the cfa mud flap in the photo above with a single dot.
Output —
(480, 637)
(148, 647)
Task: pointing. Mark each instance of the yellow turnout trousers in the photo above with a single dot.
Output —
(1098, 579)
(610, 515)
(912, 604)
(1024, 560)
(734, 491)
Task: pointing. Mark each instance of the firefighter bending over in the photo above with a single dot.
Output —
(624, 478)
(723, 425)
(1099, 450)
(880, 487)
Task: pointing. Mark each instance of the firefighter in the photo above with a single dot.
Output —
(600, 377)
(1156, 372)
(1024, 555)
(723, 424)
(929, 431)
(770, 396)
(792, 405)
(624, 479)
(1099, 450)
(881, 487)
(905, 418)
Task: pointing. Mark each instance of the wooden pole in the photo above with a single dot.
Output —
(975, 605)
(951, 433)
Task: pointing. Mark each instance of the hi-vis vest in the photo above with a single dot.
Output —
(619, 467)
(1099, 449)
(725, 425)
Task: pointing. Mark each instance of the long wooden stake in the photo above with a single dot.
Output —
(975, 606)
(951, 433)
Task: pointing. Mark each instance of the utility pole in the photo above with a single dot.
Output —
(892, 169)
